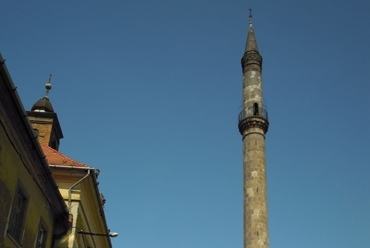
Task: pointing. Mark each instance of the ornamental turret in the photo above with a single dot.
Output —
(45, 121)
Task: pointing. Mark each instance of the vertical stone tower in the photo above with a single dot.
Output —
(253, 125)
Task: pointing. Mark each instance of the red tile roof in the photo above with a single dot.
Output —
(56, 158)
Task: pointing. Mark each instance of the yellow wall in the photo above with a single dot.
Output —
(13, 172)
(84, 207)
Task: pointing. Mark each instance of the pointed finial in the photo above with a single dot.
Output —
(250, 16)
(48, 86)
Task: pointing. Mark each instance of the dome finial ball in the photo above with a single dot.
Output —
(48, 84)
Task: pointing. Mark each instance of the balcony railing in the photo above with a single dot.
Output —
(258, 112)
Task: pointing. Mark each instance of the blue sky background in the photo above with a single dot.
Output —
(149, 92)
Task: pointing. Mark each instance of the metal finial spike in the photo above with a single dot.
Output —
(250, 16)
(48, 86)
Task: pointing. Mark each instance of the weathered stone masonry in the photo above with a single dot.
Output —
(253, 125)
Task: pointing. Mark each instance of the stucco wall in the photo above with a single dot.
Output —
(12, 173)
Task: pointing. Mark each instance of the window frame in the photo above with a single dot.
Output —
(42, 231)
(18, 214)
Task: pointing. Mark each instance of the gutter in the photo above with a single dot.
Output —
(89, 169)
(74, 185)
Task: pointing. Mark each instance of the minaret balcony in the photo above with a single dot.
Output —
(253, 117)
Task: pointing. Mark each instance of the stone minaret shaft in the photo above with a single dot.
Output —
(253, 125)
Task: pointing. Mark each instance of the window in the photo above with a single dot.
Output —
(255, 108)
(18, 215)
(41, 237)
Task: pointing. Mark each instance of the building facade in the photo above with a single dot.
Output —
(47, 198)
(33, 213)
(253, 125)
(76, 181)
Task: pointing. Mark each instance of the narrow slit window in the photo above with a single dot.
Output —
(255, 109)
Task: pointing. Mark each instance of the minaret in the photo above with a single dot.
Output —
(253, 125)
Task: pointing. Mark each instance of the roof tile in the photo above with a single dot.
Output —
(56, 158)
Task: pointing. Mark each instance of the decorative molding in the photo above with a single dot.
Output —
(253, 122)
(251, 60)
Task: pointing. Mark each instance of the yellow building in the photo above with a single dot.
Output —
(77, 182)
(78, 185)
(33, 213)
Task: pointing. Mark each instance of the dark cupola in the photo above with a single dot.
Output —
(44, 104)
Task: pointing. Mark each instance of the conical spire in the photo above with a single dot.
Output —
(251, 44)
(251, 59)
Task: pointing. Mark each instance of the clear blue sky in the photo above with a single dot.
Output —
(149, 92)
